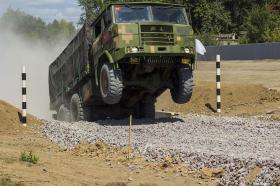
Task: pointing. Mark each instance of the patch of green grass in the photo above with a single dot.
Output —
(29, 157)
(9, 182)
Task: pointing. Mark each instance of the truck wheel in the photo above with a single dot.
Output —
(76, 109)
(182, 85)
(145, 109)
(148, 109)
(111, 85)
(63, 114)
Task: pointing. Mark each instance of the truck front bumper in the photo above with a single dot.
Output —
(146, 51)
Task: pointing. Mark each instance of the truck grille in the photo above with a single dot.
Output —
(157, 35)
(162, 60)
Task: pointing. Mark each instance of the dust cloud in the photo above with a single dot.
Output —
(16, 51)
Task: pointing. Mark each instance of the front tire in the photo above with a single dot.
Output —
(111, 85)
(181, 92)
(76, 108)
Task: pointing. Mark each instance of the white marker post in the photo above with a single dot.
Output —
(24, 99)
(218, 82)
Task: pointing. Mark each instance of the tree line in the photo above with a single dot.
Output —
(258, 20)
(34, 28)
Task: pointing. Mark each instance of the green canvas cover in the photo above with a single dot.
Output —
(69, 68)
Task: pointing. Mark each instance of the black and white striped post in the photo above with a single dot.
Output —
(218, 82)
(24, 99)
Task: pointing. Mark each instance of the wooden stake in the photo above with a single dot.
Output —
(129, 135)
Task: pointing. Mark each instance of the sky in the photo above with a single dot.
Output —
(48, 10)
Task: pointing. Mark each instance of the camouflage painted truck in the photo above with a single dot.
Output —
(119, 64)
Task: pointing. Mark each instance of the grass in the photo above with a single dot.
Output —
(9, 182)
(29, 157)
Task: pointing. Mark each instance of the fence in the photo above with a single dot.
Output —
(256, 51)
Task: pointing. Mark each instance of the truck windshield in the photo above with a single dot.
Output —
(173, 15)
(138, 13)
(129, 14)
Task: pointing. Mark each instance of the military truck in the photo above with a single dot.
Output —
(122, 61)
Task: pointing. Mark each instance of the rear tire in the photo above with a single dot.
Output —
(63, 114)
(111, 85)
(148, 109)
(182, 85)
(76, 109)
(145, 109)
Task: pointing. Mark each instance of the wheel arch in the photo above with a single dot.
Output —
(105, 57)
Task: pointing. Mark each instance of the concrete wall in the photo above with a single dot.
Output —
(243, 52)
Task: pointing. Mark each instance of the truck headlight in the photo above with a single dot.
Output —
(187, 50)
(134, 50)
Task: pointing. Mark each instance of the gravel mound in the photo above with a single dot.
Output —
(235, 144)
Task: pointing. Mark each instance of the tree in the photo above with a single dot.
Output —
(23, 23)
(261, 24)
(60, 30)
(272, 34)
(211, 17)
(91, 9)
(34, 28)
(238, 11)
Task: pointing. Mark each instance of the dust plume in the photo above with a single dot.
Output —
(16, 51)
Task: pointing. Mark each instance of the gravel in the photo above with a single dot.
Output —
(235, 144)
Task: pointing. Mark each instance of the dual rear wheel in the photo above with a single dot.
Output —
(111, 88)
(73, 113)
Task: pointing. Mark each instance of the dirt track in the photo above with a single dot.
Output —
(86, 165)
(248, 89)
(237, 100)
(262, 72)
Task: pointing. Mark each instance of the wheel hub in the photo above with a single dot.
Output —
(104, 83)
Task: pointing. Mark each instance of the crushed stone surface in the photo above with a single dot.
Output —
(235, 144)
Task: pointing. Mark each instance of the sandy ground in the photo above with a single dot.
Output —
(249, 88)
(264, 72)
(237, 100)
(85, 165)
(246, 91)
